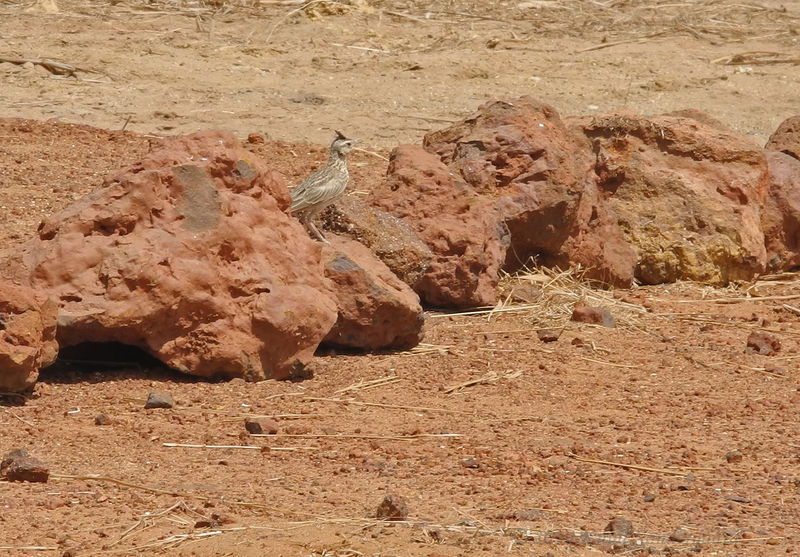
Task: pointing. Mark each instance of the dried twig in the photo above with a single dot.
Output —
(607, 363)
(28, 548)
(361, 385)
(484, 311)
(670, 471)
(26, 422)
(59, 68)
(617, 43)
(373, 153)
(245, 447)
(756, 58)
(793, 309)
(388, 406)
(106, 479)
(732, 300)
(426, 348)
(414, 437)
(490, 377)
(367, 48)
(175, 493)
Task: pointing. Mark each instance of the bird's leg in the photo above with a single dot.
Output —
(316, 232)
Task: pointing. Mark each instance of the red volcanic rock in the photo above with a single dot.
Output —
(762, 342)
(393, 507)
(491, 191)
(376, 309)
(686, 191)
(191, 255)
(786, 138)
(540, 177)
(593, 315)
(27, 335)
(664, 198)
(459, 226)
(20, 466)
(780, 218)
(392, 240)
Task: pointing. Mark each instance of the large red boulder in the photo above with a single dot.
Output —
(376, 309)
(192, 256)
(504, 185)
(687, 193)
(459, 226)
(27, 335)
(659, 199)
(540, 176)
(781, 214)
(786, 138)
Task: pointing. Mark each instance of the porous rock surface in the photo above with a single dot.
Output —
(27, 335)
(191, 255)
(520, 155)
(781, 213)
(18, 465)
(786, 138)
(487, 193)
(687, 193)
(657, 199)
(458, 225)
(376, 309)
(392, 240)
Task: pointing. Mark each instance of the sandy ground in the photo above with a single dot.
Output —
(499, 443)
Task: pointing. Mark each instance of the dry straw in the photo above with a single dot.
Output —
(549, 296)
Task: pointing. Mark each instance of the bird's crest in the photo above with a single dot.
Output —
(339, 135)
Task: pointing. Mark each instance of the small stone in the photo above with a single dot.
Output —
(733, 457)
(102, 419)
(649, 498)
(159, 400)
(772, 368)
(679, 535)
(786, 138)
(546, 335)
(19, 466)
(620, 526)
(206, 524)
(762, 342)
(577, 341)
(255, 139)
(393, 507)
(253, 427)
(221, 518)
(593, 315)
(737, 498)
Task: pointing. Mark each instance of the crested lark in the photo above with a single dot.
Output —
(324, 185)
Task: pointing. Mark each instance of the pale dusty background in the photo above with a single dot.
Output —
(388, 72)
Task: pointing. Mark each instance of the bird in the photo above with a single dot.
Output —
(324, 185)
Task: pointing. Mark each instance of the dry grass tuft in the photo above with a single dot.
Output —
(550, 295)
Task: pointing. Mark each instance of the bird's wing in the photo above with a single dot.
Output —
(316, 189)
